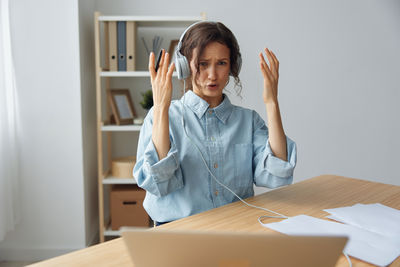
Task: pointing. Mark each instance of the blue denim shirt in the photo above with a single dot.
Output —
(234, 143)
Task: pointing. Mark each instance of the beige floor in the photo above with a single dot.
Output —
(14, 263)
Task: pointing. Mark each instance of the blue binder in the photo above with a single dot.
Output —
(121, 43)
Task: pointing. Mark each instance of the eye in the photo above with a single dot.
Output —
(203, 64)
(222, 63)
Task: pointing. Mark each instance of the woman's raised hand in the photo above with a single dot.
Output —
(271, 76)
(161, 81)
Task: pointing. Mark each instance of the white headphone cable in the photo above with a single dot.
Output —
(281, 216)
(348, 259)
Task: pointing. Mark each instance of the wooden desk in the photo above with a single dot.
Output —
(308, 197)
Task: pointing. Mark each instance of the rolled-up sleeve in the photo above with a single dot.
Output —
(158, 177)
(269, 170)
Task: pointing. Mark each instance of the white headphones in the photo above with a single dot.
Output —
(181, 62)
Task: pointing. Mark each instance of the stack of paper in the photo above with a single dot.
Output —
(373, 230)
(376, 218)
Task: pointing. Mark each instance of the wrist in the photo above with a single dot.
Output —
(272, 102)
(161, 109)
(160, 114)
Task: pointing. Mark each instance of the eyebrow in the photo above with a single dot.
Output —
(205, 59)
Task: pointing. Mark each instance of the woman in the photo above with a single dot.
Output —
(190, 149)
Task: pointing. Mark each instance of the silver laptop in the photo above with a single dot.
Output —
(173, 248)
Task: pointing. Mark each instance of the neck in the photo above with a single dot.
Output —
(213, 101)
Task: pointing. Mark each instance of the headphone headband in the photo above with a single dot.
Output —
(188, 28)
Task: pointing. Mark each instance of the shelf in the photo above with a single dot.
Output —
(112, 180)
(109, 179)
(109, 232)
(121, 128)
(152, 18)
(128, 74)
(125, 74)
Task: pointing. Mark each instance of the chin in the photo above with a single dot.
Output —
(213, 92)
(205, 92)
(213, 95)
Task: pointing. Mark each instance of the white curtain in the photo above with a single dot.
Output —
(9, 201)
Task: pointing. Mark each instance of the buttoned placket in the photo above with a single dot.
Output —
(214, 151)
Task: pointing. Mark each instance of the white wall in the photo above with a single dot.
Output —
(88, 105)
(339, 75)
(45, 41)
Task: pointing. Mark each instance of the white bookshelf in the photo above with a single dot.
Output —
(105, 79)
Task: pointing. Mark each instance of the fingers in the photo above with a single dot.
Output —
(273, 68)
(170, 72)
(151, 66)
(275, 60)
(264, 67)
(161, 80)
(163, 66)
(272, 61)
(164, 63)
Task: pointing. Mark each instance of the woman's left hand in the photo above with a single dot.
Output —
(271, 76)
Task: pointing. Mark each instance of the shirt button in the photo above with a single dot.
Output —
(216, 193)
(215, 165)
(212, 138)
(210, 111)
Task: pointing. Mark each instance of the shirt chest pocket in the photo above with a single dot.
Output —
(243, 159)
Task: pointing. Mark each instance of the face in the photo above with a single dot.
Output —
(214, 69)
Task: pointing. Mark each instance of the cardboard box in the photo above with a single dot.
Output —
(126, 203)
(123, 167)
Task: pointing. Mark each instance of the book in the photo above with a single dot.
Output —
(130, 45)
(106, 47)
(112, 39)
(121, 44)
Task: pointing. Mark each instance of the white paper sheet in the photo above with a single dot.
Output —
(364, 245)
(376, 217)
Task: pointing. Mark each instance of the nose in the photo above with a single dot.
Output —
(212, 73)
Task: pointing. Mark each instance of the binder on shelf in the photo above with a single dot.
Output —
(112, 38)
(106, 47)
(130, 45)
(121, 43)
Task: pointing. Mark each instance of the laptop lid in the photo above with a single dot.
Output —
(173, 248)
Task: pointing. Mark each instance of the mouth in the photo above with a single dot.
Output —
(212, 86)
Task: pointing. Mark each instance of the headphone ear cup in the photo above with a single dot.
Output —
(182, 66)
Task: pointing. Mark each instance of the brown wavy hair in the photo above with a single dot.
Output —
(203, 33)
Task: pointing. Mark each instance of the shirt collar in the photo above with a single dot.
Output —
(199, 106)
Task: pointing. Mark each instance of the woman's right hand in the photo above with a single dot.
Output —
(161, 81)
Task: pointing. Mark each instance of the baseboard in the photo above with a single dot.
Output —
(8, 254)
